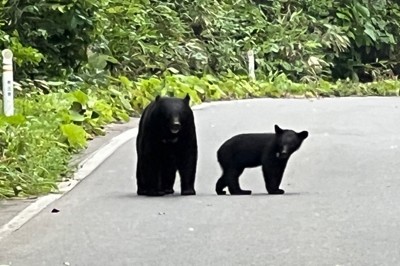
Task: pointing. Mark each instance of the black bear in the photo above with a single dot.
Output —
(166, 143)
(272, 151)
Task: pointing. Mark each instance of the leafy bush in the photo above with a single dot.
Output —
(305, 39)
(50, 35)
(37, 143)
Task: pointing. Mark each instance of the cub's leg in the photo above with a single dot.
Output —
(221, 185)
(231, 178)
(273, 173)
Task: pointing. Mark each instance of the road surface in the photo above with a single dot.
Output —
(341, 205)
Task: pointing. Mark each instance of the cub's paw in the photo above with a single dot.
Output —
(241, 192)
(220, 192)
(188, 192)
(219, 187)
(276, 192)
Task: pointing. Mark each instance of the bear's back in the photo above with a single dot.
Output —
(245, 150)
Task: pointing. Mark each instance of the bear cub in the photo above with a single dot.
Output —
(166, 143)
(271, 151)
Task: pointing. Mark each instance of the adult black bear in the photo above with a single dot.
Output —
(166, 143)
(272, 151)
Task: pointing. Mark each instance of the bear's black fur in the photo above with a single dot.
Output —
(166, 143)
(272, 151)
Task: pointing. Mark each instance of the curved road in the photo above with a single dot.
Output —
(341, 205)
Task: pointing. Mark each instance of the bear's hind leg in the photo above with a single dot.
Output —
(232, 180)
(221, 184)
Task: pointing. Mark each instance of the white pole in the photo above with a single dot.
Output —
(250, 55)
(8, 80)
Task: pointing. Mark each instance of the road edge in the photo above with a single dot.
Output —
(85, 168)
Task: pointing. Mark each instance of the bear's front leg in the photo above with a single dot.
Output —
(155, 187)
(273, 176)
(152, 176)
(140, 182)
(168, 174)
(187, 164)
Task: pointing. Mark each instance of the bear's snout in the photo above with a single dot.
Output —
(284, 153)
(175, 127)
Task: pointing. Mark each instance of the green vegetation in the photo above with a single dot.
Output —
(87, 63)
(305, 39)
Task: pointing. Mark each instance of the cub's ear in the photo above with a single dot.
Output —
(187, 98)
(303, 134)
(157, 98)
(278, 130)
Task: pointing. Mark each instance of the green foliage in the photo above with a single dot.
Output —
(31, 159)
(50, 35)
(75, 135)
(37, 143)
(238, 87)
(305, 39)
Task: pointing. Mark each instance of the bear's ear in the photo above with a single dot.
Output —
(303, 134)
(278, 130)
(157, 98)
(187, 98)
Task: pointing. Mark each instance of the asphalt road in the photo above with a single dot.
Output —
(341, 205)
